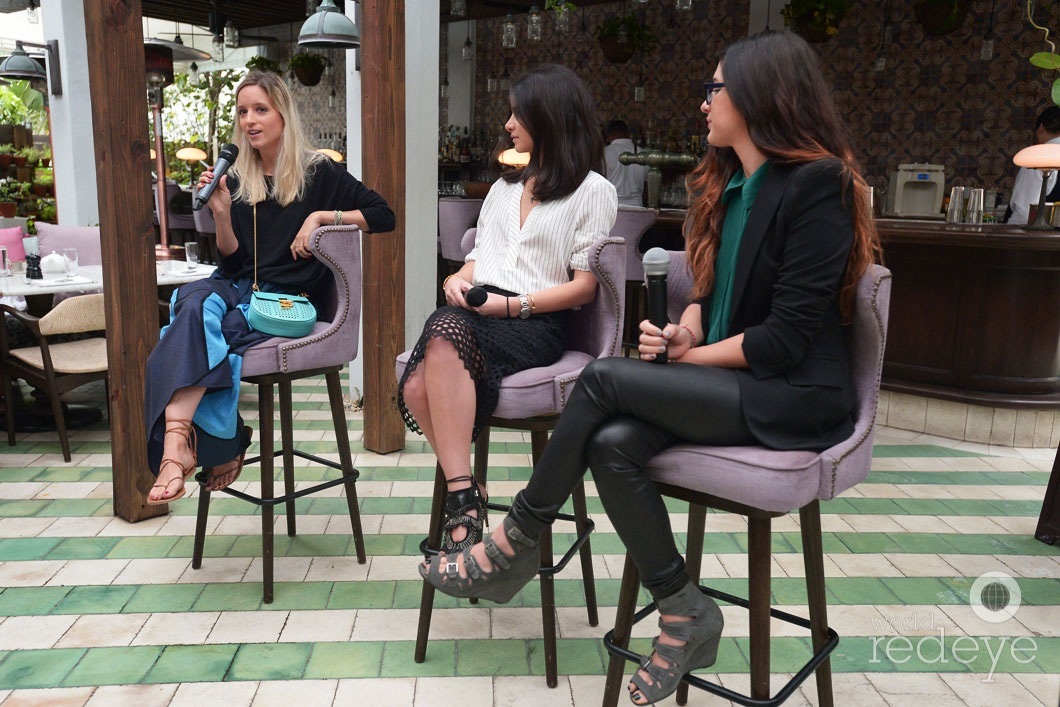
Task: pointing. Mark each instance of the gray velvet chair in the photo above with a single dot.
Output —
(631, 224)
(279, 361)
(455, 217)
(762, 484)
(205, 230)
(531, 400)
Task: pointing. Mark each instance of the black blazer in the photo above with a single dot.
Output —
(798, 392)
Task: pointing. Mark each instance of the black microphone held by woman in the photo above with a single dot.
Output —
(224, 160)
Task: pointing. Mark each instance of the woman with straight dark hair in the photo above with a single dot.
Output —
(277, 193)
(779, 231)
(531, 256)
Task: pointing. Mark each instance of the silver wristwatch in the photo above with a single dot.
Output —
(524, 307)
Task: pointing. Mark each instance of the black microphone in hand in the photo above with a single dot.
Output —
(225, 160)
(656, 264)
(476, 296)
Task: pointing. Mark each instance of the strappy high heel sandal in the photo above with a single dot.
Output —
(701, 634)
(458, 505)
(510, 573)
(186, 430)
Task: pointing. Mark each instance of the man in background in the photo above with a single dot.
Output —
(627, 178)
(1027, 188)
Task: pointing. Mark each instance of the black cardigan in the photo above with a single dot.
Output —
(330, 187)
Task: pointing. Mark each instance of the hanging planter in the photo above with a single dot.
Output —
(939, 17)
(308, 68)
(623, 36)
(815, 20)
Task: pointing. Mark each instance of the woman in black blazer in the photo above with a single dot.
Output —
(778, 233)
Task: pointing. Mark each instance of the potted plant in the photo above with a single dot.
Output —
(308, 67)
(939, 17)
(44, 184)
(815, 20)
(12, 191)
(622, 36)
(7, 154)
(46, 156)
(262, 63)
(32, 155)
(46, 211)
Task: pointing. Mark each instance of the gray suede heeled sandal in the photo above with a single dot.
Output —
(510, 573)
(701, 634)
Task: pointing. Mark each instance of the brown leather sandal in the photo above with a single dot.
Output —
(249, 432)
(185, 429)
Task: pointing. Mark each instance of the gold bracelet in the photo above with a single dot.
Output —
(691, 335)
(532, 305)
(338, 217)
(446, 280)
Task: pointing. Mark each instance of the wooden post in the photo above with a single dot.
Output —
(383, 158)
(119, 108)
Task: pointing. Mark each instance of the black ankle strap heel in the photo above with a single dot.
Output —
(458, 505)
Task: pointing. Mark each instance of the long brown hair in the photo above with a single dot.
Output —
(774, 81)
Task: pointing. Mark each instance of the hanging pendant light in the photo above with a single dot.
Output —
(329, 28)
(193, 74)
(444, 93)
(562, 15)
(32, 14)
(331, 99)
(231, 35)
(508, 36)
(467, 53)
(458, 8)
(533, 25)
(683, 5)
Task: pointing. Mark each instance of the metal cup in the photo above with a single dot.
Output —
(955, 211)
(974, 208)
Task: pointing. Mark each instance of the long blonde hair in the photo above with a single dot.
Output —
(296, 157)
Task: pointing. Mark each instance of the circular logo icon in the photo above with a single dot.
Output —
(995, 597)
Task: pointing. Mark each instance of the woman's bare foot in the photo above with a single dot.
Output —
(225, 475)
(178, 462)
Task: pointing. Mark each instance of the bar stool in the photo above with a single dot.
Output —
(763, 484)
(279, 361)
(531, 401)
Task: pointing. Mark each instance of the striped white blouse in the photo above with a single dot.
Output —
(553, 241)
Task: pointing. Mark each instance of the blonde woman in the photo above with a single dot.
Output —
(282, 185)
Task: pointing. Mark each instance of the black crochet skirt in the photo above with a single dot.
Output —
(491, 349)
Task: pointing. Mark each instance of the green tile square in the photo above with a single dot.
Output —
(44, 668)
(149, 547)
(921, 590)
(270, 661)
(439, 661)
(205, 663)
(31, 601)
(83, 548)
(870, 542)
(861, 655)
(366, 595)
(78, 507)
(16, 549)
(124, 665)
(301, 595)
(230, 596)
(345, 660)
(574, 656)
(22, 508)
(859, 591)
(316, 546)
(96, 599)
(407, 594)
(152, 598)
(492, 657)
(375, 545)
(215, 546)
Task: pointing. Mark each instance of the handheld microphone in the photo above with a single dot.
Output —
(656, 264)
(224, 161)
(476, 296)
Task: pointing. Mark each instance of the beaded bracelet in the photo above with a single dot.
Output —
(691, 335)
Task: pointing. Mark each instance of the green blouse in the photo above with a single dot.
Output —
(739, 197)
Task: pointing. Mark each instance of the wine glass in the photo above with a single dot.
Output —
(191, 255)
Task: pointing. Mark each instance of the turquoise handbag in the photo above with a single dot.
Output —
(275, 314)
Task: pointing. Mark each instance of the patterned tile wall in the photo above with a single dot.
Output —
(935, 99)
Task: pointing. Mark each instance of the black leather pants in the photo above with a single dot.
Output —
(621, 414)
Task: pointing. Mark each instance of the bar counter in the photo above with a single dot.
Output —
(975, 313)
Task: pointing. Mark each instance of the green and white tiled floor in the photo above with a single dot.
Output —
(96, 611)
